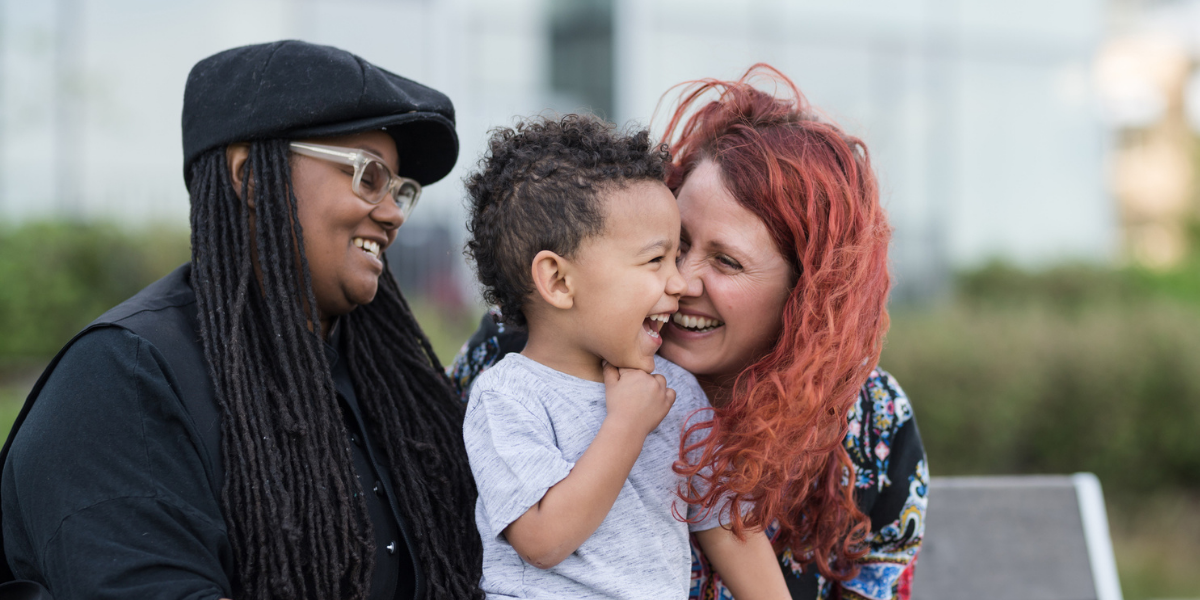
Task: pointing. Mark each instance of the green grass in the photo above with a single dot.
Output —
(1156, 540)
(11, 399)
(1156, 537)
(1076, 368)
(446, 330)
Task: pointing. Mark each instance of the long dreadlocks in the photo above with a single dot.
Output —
(295, 512)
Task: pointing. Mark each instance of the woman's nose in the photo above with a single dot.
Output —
(388, 214)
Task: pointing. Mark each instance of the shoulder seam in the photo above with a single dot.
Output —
(146, 310)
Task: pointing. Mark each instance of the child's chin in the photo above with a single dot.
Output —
(646, 363)
(643, 363)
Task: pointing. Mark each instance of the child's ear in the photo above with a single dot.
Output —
(550, 278)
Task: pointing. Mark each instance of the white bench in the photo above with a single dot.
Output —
(1040, 537)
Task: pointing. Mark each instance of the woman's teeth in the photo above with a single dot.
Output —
(695, 323)
(368, 246)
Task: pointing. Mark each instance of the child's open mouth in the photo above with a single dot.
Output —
(653, 324)
(695, 323)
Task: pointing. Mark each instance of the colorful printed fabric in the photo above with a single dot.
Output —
(891, 483)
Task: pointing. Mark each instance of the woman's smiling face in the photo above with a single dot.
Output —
(737, 282)
(344, 236)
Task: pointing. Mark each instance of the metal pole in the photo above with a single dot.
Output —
(66, 157)
(941, 84)
(3, 108)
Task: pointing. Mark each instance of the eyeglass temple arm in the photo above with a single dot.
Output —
(324, 152)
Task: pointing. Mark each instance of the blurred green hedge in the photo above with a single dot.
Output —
(56, 277)
(1071, 369)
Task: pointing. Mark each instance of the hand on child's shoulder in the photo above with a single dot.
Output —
(636, 399)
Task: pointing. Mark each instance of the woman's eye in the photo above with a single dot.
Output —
(729, 262)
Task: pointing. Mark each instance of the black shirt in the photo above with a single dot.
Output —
(111, 484)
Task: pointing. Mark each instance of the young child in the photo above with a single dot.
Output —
(572, 441)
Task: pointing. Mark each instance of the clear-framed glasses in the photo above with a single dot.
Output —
(373, 180)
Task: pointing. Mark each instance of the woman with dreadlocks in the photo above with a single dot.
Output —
(268, 421)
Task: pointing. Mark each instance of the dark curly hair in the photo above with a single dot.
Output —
(539, 187)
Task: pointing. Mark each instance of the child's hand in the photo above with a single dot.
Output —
(573, 508)
(636, 399)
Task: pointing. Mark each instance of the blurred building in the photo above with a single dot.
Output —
(980, 114)
(1149, 86)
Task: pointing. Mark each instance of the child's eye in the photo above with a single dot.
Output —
(657, 259)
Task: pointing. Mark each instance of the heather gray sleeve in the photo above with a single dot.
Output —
(513, 455)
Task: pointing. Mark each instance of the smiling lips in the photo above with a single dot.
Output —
(369, 246)
(654, 323)
(695, 323)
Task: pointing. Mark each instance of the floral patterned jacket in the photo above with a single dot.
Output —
(891, 482)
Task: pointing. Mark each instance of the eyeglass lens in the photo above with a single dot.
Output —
(374, 182)
(375, 185)
(407, 194)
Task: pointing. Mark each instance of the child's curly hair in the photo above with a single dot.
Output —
(538, 188)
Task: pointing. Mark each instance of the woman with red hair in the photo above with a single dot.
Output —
(784, 248)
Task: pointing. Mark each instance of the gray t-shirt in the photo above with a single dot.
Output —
(526, 425)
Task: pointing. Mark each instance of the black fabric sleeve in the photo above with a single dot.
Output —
(104, 491)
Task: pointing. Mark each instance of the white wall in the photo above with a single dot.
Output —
(133, 61)
(979, 114)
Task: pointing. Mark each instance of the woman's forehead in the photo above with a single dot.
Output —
(708, 210)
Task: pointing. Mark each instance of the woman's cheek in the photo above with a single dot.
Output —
(757, 316)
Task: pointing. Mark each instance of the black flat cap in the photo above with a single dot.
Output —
(292, 89)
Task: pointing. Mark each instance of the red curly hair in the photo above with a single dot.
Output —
(776, 445)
